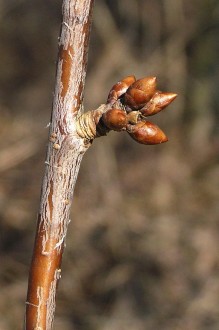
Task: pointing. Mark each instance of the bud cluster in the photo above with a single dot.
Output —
(131, 101)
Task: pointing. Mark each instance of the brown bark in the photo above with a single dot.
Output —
(65, 151)
(71, 133)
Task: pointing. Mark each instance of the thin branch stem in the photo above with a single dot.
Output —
(65, 151)
(71, 133)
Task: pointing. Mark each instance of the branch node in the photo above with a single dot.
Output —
(89, 124)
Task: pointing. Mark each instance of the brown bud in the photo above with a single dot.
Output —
(140, 92)
(147, 85)
(120, 88)
(157, 103)
(115, 119)
(146, 132)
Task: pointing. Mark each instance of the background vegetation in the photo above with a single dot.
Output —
(142, 247)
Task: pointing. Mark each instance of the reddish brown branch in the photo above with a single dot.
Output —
(71, 132)
(64, 154)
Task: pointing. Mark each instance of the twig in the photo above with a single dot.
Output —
(71, 133)
(64, 155)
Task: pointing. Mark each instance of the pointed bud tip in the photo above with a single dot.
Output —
(161, 137)
(148, 80)
(171, 96)
(164, 99)
(174, 95)
(165, 139)
(153, 79)
(158, 102)
(129, 80)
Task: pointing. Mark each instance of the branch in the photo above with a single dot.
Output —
(64, 155)
(71, 133)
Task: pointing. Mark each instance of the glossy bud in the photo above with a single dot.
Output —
(140, 92)
(158, 102)
(120, 88)
(146, 132)
(115, 119)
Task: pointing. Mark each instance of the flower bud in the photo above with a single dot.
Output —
(140, 92)
(120, 88)
(129, 80)
(158, 102)
(115, 119)
(146, 132)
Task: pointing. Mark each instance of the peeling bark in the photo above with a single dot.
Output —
(65, 151)
(71, 134)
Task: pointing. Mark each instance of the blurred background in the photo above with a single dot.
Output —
(142, 246)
